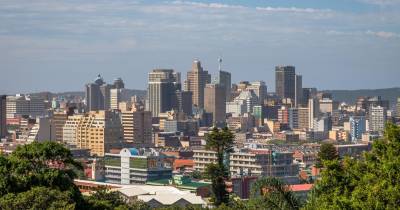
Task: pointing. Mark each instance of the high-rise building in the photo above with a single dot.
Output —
(357, 127)
(3, 116)
(214, 102)
(322, 124)
(183, 102)
(97, 95)
(293, 118)
(99, 131)
(243, 103)
(260, 89)
(313, 111)
(58, 121)
(298, 91)
(196, 81)
(117, 96)
(398, 107)
(161, 90)
(118, 84)
(303, 115)
(137, 127)
(285, 82)
(20, 105)
(283, 115)
(42, 130)
(69, 130)
(224, 80)
(377, 118)
(307, 94)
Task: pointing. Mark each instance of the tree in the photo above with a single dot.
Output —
(38, 198)
(220, 141)
(327, 152)
(273, 193)
(373, 182)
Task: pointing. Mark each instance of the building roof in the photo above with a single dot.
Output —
(134, 151)
(301, 187)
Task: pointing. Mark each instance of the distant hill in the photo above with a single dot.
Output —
(350, 96)
(81, 94)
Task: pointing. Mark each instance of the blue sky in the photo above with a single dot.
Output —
(61, 45)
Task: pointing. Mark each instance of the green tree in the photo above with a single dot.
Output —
(373, 182)
(220, 141)
(38, 198)
(327, 152)
(273, 193)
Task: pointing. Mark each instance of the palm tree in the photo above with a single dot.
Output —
(273, 193)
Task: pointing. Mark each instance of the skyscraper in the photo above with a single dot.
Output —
(214, 102)
(137, 127)
(224, 80)
(183, 102)
(196, 81)
(299, 90)
(260, 89)
(377, 118)
(97, 95)
(357, 127)
(162, 87)
(398, 107)
(3, 116)
(313, 111)
(285, 82)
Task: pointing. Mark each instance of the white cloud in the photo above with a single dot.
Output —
(293, 9)
(381, 2)
(383, 34)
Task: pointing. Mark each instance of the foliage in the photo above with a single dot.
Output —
(196, 175)
(38, 198)
(370, 183)
(273, 193)
(220, 141)
(327, 152)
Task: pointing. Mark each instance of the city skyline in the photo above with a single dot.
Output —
(58, 46)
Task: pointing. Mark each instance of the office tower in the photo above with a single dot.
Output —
(313, 111)
(20, 105)
(99, 131)
(42, 130)
(357, 127)
(196, 81)
(258, 113)
(224, 80)
(303, 118)
(260, 89)
(58, 121)
(214, 102)
(322, 124)
(398, 107)
(183, 102)
(293, 118)
(327, 105)
(161, 90)
(377, 118)
(137, 127)
(97, 95)
(307, 94)
(298, 91)
(3, 116)
(283, 115)
(117, 96)
(69, 130)
(285, 82)
(118, 84)
(243, 103)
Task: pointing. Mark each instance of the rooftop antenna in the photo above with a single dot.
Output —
(220, 63)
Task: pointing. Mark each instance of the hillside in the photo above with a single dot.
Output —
(350, 96)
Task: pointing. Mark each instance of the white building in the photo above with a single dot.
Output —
(377, 118)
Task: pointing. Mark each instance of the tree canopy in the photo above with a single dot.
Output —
(372, 182)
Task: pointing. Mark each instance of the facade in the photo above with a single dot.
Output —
(99, 131)
(298, 91)
(251, 162)
(117, 96)
(357, 127)
(69, 129)
(377, 118)
(42, 130)
(196, 82)
(283, 115)
(260, 89)
(3, 116)
(97, 95)
(132, 166)
(322, 124)
(214, 102)
(293, 118)
(303, 114)
(20, 105)
(137, 127)
(183, 102)
(313, 111)
(285, 81)
(162, 86)
(58, 121)
(224, 80)
(327, 105)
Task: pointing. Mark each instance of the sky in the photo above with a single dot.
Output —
(48, 45)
